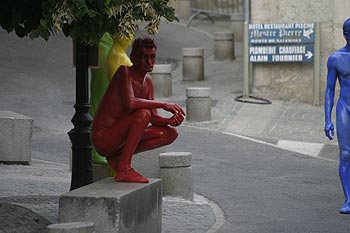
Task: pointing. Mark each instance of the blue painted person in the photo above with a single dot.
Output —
(338, 66)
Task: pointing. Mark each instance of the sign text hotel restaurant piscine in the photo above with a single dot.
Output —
(285, 42)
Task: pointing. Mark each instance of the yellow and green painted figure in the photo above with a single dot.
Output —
(112, 55)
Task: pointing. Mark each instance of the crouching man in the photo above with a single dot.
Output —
(126, 121)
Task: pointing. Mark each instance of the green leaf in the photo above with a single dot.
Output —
(44, 24)
(34, 34)
(92, 13)
(107, 3)
(44, 33)
(20, 31)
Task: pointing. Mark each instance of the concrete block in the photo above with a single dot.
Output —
(193, 64)
(115, 206)
(100, 171)
(162, 80)
(175, 159)
(198, 104)
(223, 46)
(72, 227)
(15, 137)
(176, 174)
(198, 92)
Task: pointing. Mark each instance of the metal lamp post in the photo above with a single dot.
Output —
(80, 134)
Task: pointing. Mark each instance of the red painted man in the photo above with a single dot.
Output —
(127, 121)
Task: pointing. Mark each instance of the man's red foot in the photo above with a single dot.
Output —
(131, 176)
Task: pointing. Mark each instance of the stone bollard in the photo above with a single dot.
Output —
(72, 227)
(15, 138)
(176, 174)
(184, 10)
(223, 46)
(193, 64)
(162, 80)
(198, 104)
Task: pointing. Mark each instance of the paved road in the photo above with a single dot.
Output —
(262, 188)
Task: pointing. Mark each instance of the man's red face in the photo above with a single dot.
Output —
(146, 59)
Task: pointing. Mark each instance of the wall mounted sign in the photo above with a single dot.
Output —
(284, 42)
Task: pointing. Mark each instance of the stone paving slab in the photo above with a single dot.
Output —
(199, 215)
(17, 219)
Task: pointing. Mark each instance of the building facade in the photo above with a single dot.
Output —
(293, 81)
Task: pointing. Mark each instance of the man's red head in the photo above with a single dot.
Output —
(143, 54)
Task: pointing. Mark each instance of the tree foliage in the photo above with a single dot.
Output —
(86, 20)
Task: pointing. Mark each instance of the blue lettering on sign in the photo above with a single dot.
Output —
(281, 53)
(286, 33)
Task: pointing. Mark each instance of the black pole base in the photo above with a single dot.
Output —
(81, 158)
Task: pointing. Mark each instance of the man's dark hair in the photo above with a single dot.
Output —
(143, 42)
(139, 43)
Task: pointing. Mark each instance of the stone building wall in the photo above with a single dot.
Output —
(294, 81)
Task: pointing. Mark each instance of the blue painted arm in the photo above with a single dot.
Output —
(329, 96)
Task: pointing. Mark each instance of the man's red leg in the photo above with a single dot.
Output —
(113, 160)
(124, 171)
(156, 136)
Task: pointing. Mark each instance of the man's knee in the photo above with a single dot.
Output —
(142, 115)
